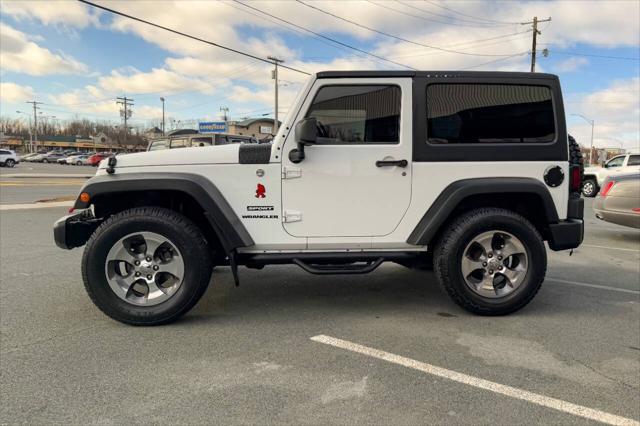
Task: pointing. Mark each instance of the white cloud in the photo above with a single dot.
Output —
(69, 13)
(14, 93)
(571, 64)
(158, 80)
(19, 54)
(616, 112)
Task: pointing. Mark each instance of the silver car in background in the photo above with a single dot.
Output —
(619, 200)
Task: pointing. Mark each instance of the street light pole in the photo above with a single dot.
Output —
(592, 122)
(162, 99)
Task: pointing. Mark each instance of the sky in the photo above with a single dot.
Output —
(77, 59)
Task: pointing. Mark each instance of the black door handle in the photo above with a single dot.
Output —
(388, 163)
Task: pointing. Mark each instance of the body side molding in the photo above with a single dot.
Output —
(225, 222)
(453, 194)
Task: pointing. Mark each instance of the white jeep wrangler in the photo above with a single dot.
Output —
(469, 172)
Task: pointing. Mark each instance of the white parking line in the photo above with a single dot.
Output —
(601, 287)
(28, 206)
(610, 248)
(534, 398)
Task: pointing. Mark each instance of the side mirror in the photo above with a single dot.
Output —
(306, 133)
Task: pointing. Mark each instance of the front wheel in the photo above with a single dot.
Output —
(78, 163)
(491, 261)
(10, 163)
(45, 161)
(146, 266)
(589, 187)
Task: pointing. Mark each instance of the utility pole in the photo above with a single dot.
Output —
(224, 110)
(275, 78)
(535, 23)
(35, 121)
(125, 112)
(162, 99)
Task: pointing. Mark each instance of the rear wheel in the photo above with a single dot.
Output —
(45, 160)
(78, 163)
(146, 266)
(491, 261)
(10, 163)
(589, 187)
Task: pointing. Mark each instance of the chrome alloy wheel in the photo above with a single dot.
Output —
(494, 264)
(144, 268)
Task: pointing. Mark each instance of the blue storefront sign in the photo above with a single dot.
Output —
(212, 127)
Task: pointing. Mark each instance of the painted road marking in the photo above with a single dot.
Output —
(610, 248)
(29, 206)
(534, 398)
(601, 287)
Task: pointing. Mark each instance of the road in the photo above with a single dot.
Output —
(245, 355)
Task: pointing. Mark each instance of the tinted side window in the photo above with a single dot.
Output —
(615, 162)
(634, 160)
(4, 152)
(156, 145)
(178, 143)
(489, 113)
(201, 141)
(357, 114)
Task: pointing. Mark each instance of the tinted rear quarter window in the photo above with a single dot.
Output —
(634, 160)
(489, 113)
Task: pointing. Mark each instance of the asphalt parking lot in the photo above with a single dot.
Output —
(246, 355)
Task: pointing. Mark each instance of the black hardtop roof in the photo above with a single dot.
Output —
(452, 74)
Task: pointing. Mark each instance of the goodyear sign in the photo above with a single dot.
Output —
(212, 127)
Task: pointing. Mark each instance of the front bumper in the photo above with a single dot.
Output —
(75, 229)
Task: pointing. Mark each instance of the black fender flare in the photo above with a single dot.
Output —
(223, 220)
(457, 191)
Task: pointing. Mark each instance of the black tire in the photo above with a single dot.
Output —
(186, 236)
(460, 232)
(78, 163)
(590, 187)
(9, 163)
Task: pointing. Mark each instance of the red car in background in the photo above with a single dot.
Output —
(95, 159)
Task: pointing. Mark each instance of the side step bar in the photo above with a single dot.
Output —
(346, 268)
(329, 263)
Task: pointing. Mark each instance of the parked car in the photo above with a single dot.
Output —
(198, 139)
(95, 159)
(51, 157)
(8, 158)
(77, 160)
(619, 200)
(594, 177)
(28, 157)
(470, 172)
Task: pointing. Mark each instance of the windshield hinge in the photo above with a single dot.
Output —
(289, 172)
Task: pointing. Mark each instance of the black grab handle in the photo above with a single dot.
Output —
(387, 163)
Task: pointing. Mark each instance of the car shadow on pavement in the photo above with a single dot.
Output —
(286, 292)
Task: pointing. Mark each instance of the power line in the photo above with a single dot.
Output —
(324, 37)
(394, 36)
(495, 60)
(624, 58)
(474, 23)
(384, 6)
(468, 16)
(230, 49)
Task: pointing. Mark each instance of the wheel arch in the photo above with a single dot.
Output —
(526, 196)
(191, 194)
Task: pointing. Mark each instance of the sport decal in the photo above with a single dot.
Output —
(260, 191)
(260, 208)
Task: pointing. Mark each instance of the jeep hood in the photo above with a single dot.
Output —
(221, 154)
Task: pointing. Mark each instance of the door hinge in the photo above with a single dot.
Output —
(291, 216)
(289, 172)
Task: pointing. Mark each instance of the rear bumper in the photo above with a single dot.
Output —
(567, 234)
(75, 229)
